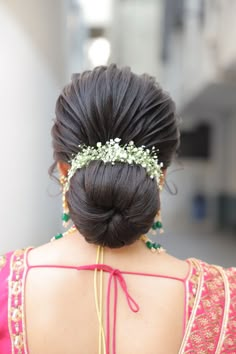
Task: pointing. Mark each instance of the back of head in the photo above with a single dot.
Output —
(112, 205)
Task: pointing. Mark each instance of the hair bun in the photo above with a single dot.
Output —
(112, 205)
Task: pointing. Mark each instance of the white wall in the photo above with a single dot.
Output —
(32, 71)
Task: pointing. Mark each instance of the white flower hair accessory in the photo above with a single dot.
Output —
(112, 152)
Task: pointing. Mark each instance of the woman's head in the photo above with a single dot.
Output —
(112, 205)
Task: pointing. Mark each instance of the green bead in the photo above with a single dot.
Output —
(65, 217)
(158, 225)
(149, 244)
(156, 245)
(154, 226)
(58, 236)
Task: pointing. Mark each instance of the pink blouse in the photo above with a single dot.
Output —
(210, 306)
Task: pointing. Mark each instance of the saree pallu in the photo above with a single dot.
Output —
(210, 307)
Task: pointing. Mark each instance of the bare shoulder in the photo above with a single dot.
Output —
(44, 254)
(172, 266)
(68, 251)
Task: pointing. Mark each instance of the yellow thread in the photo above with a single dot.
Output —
(98, 302)
(102, 336)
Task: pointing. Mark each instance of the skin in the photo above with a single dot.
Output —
(60, 307)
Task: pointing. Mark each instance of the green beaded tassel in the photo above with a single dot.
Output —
(157, 225)
(153, 246)
(57, 237)
(66, 215)
(60, 235)
(65, 219)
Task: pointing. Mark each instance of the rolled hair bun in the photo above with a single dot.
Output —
(112, 205)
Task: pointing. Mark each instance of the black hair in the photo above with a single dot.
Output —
(113, 205)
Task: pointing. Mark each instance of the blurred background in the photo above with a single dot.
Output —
(189, 45)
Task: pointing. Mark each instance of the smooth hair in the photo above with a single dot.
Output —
(113, 205)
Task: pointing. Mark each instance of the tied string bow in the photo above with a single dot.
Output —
(116, 277)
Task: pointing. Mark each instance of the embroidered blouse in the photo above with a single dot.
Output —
(210, 306)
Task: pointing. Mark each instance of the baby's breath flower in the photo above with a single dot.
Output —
(112, 152)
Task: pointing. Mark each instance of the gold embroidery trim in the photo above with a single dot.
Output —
(186, 285)
(196, 303)
(23, 299)
(16, 280)
(226, 310)
(9, 302)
